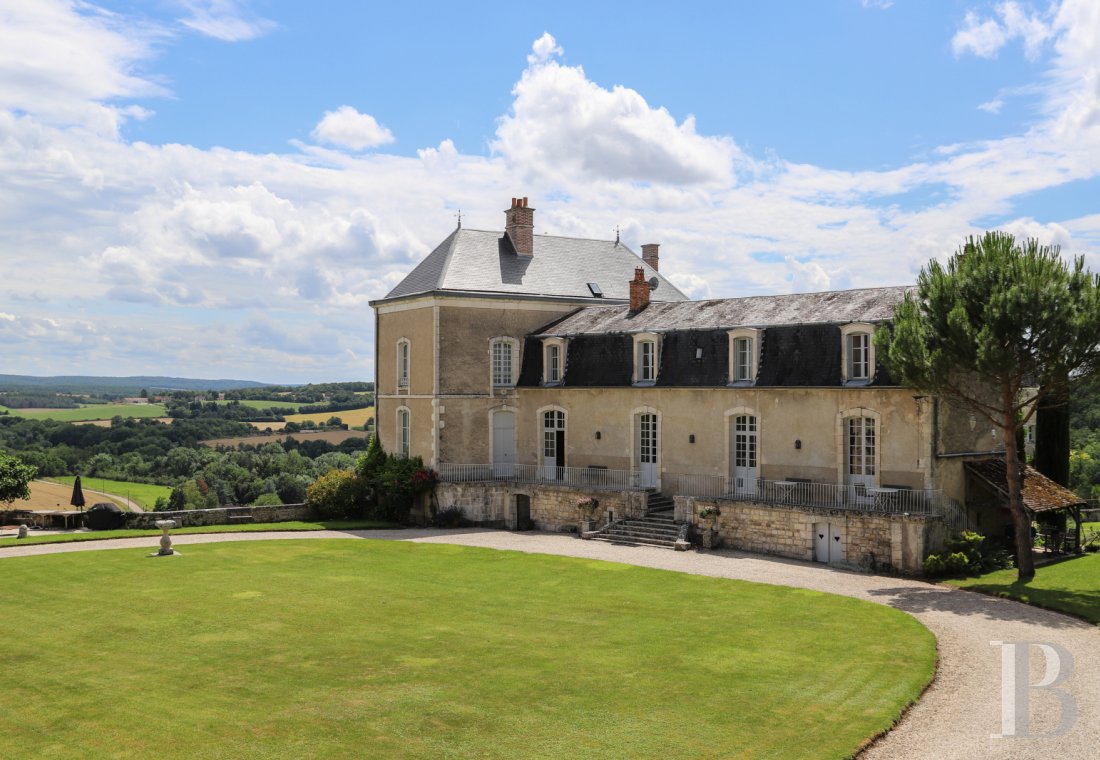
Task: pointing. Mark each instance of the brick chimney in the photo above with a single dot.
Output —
(639, 291)
(519, 224)
(649, 254)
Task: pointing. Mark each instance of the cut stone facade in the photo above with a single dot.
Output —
(869, 541)
(553, 508)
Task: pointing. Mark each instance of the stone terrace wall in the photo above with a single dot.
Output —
(220, 516)
(552, 507)
(869, 540)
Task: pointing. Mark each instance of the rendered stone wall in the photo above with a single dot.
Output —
(869, 541)
(220, 516)
(552, 507)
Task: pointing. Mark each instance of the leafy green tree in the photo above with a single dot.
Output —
(1001, 317)
(14, 479)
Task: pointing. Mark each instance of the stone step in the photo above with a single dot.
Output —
(659, 520)
(642, 533)
(667, 544)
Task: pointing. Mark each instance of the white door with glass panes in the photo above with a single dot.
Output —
(553, 445)
(861, 458)
(504, 444)
(645, 426)
(743, 451)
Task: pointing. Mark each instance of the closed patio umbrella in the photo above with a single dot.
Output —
(78, 494)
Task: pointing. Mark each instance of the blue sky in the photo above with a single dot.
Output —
(217, 188)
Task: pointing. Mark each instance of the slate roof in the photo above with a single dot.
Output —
(1041, 494)
(832, 307)
(484, 261)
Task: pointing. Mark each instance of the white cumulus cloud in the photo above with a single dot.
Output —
(567, 128)
(985, 37)
(226, 20)
(348, 128)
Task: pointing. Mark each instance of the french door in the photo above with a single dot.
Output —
(861, 458)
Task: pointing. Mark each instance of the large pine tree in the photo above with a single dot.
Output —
(1000, 318)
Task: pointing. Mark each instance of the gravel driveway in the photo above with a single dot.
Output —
(959, 714)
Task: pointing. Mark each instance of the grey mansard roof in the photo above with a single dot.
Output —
(484, 261)
(832, 307)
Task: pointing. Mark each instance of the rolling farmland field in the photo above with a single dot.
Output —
(145, 494)
(91, 412)
(56, 496)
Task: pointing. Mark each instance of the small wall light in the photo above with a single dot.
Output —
(691, 438)
(597, 435)
(798, 443)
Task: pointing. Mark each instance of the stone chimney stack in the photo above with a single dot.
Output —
(639, 291)
(649, 254)
(520, 226)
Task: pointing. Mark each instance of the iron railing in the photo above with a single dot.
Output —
(856, 497)
(851, 496)
(587, 477)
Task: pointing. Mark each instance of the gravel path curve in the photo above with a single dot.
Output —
(959, 715)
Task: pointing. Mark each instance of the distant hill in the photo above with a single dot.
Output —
(117, 385)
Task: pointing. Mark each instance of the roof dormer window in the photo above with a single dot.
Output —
(646, 359)
(553, 361)
(858, 354)
(744, 353)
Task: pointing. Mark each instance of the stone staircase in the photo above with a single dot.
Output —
(659, 504)
(657, 528)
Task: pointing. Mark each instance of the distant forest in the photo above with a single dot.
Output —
(115, 386)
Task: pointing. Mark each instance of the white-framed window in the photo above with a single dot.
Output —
(404, 432)
(861, 446)
(647, 358)
(502, 361)
(744, 351)
(859, 353)
(403, 365)
(553, 361)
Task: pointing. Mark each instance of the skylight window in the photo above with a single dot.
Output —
(595, 288)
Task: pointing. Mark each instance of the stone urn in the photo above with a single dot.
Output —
(708, 530)
(587, 507)
(166, 540)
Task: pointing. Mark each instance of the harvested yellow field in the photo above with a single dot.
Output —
(266, 425)
(332, 436)
(55, 496)
(353, 417)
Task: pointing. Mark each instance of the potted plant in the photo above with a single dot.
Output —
(587, 506)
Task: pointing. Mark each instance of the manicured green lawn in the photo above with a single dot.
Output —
(290, 525)
(1071, 586)
(143, 493)
(94, 412)
(373, 649)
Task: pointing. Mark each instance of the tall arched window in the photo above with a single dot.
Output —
(403, 364)
(404, 441)
(502, 355)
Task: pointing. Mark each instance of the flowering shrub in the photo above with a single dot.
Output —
(424, 479)
(708, 513)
